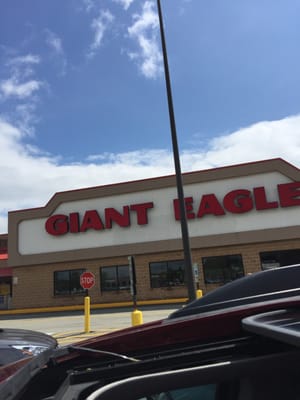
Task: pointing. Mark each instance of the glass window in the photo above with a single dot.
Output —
(203, 392)
(222, 269)
(167, 273)
(279, 258)
(68, 282)
(115, 277)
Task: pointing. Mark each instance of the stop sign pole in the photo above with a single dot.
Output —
(87, 281)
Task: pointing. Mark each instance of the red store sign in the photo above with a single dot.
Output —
(236, 202)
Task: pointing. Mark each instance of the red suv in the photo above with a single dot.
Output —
(238, 342)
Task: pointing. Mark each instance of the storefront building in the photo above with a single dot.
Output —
(5, 275)
(241, 219)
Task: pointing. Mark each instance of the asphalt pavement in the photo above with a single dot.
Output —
(70, 327)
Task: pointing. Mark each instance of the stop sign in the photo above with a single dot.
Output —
(87, 280)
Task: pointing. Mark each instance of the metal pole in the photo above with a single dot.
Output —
(184, 226)
(87, 315)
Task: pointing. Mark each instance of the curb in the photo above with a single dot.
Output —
(41, 310)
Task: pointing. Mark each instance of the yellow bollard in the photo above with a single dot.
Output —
(136, 317)
(87, 315)
(199, 293)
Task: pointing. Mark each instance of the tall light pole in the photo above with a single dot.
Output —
(183, 219)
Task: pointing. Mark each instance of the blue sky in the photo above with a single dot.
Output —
(83, 101)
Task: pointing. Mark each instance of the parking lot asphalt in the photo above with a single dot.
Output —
(69, 327)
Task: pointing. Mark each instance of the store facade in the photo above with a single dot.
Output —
(241, 219)
(6, 278)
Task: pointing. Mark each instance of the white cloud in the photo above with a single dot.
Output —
(54, 41)
(21, 90)
(258, 141)
(22, 67)
(30, 178)
(99, 26)
(144, 31)
(27, 59)
(124, 3)
(25, 117)
(13, 88)
(18, 85)
(89, 5)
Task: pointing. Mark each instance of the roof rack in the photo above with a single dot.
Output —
(281, 325)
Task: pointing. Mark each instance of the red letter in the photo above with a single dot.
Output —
(91, 220)
(74, 222)
(238, 201)
(113, 215)
(261, 201)
(289, 194)
(188, 201)
(57, 225)
(142, 212)
(210, 205)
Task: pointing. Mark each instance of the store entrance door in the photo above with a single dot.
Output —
(5, 292)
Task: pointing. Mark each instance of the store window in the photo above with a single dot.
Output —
(115, 278)
(167, 273)
(68, 282)
(222, 269)
(279, 258)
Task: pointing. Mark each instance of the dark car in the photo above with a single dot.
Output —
(240, 342)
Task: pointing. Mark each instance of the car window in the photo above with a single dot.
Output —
(203, 392)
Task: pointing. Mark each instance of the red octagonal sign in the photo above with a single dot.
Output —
(87, 280)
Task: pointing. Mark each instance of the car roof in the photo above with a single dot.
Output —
(260, 286)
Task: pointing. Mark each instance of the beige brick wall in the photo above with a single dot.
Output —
(35, 283)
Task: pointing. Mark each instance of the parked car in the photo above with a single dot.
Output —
(16, 344)
(238, 342)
